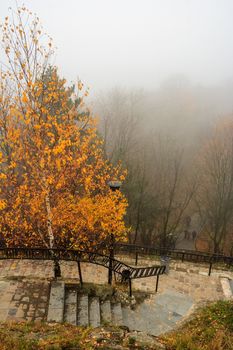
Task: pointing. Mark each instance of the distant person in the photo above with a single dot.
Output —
(194, 235)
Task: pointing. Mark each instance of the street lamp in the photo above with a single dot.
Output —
(114, 186)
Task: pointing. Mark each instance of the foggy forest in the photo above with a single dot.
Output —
(176, 144)
(170, 145)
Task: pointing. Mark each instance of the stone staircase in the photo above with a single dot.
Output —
(68, 304)
(155, 315)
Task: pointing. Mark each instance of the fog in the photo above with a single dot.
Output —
(161, 84)
(138, 44)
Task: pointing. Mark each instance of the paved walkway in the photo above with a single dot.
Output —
(160, 313)
(187, 278)
(185, 243)
(25, 284)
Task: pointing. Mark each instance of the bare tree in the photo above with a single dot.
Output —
(173, 190)
(119, 123)
(215, 195)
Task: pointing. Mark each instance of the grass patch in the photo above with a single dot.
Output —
(38, 336)
(103, 291)
(211, 328)
(42, 336)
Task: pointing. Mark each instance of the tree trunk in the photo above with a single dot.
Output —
(49, 221)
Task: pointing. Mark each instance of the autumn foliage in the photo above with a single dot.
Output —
(53, 182)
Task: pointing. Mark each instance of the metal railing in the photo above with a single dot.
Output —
(127, 272)
(176, 254)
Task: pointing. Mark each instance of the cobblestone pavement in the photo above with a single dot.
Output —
(184, 277)
(25, 284)
(23, 300)
(44, 269)
(28, 268)
(200, 288)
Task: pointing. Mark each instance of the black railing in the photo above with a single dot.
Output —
(127, 272)
(176, 254)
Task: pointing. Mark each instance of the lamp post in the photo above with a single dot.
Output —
(114, 186)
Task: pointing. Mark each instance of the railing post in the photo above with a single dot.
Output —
(130, 287)
(210, 267)
(157, 283)
(136, 258)
(80, 273)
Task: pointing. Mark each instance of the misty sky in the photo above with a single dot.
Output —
(135, 43)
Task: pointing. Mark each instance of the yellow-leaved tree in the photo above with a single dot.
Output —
(53, 175)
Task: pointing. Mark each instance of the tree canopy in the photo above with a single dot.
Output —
(54, 176)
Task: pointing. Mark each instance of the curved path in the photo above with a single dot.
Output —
(25, 289)
(81, 256)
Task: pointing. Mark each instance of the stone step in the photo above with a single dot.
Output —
(70, 308)
(82, 314)
(94, 312)
(56, 302)
(105, 311)
(158, 314)
(117, 317)
(148, 318)
(67, 305)
(174, 302)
